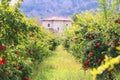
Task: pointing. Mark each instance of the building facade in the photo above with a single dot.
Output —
(56, 24)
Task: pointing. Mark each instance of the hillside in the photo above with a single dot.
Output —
(46, 8)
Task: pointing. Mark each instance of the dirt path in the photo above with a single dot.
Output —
(61, 66)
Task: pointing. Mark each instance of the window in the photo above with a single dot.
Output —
(58, 28)
(48, 25)
(66, 24)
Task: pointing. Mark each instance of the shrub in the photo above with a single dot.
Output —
(53, 44)
(21, 43)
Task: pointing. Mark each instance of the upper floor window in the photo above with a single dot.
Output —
(48, 25)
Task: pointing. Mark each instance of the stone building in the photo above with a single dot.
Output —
(56, 24)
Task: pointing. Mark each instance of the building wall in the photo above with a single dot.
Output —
(45, 24)
(58, 26)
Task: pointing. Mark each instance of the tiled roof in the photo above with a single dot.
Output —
(57, 19)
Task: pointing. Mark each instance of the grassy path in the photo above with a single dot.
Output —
(61, 66)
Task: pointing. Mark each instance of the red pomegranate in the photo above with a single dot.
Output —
(3, 48)
(17, 53)
(76, 38)
(98, 44)
(87, 62)
(26, 78)
(90, 37)
(6, 73)
(91, 53)
(99, 60)
(4, 61)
